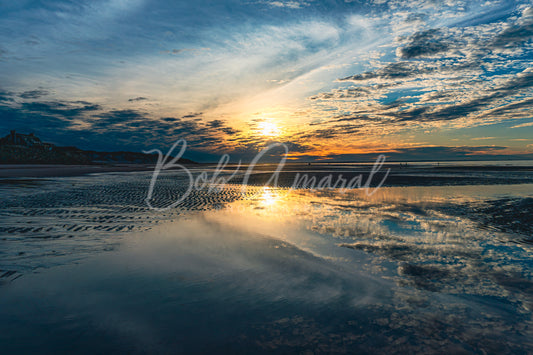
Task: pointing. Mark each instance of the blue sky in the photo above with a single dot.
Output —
(423, 79)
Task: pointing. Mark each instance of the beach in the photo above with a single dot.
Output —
(48, 170)
(86, 266)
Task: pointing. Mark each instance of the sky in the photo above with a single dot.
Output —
(335, 80)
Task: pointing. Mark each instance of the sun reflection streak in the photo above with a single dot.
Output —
(269, 197)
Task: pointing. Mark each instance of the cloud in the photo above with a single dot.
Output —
(424, 43)
(199, 134)
(416, 17)
(444, 75)
(406, 67)
(89, 126)
(193, 115)
(33, 94)
(398, 70)
(517, 33)
(468, 105)
(348, 93)
(184, 50)
(482, 138)
(33, 120)
(527, 124)
(140, 98)
(118, 118)
(6, 96)
(62, 109)
(294, 4)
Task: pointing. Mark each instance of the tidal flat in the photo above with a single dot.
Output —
(437, 260)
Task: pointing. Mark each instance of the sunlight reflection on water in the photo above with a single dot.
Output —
(406, 269)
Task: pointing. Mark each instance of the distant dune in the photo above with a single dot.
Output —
(17, 148)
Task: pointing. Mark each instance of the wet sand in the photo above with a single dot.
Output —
(36, 170)
(86, 266)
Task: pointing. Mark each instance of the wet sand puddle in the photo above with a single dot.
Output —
(426, 269)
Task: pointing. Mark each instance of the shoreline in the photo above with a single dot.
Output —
(399, 176)
(58, 170)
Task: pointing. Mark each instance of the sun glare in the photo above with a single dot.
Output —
(268, 129)
(268, 197)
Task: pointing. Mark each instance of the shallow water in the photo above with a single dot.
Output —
(87, 267)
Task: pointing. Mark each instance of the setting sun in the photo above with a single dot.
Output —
(268, 129)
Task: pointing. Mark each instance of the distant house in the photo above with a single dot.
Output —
(25, 140)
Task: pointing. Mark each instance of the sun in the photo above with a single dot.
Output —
(268, 129)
